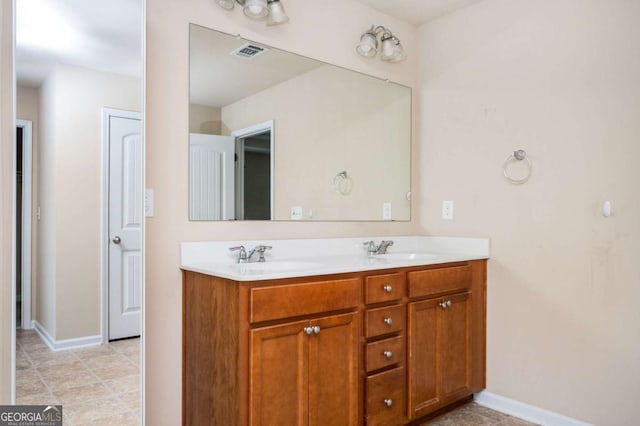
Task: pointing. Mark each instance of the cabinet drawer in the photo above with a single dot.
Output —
(385, 398)
(292, 300)
(439, 280)
(385, 353)
(384, 288)
(385, 320)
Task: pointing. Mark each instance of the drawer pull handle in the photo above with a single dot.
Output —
(316, 329)
(388, 321)
(387, 354)
(387, 288)
(445, 304)
(308, 330)
(388, 402)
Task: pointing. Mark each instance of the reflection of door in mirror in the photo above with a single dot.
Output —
(231, 177)
(253, 190)
(211, 177)
(254, 172)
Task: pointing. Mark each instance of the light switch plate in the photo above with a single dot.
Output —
(447, 210)
(148, 203)
(386, 211)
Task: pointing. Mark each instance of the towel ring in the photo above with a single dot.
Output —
(518, 155)
(342, 183)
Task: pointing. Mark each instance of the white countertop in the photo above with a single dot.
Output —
(308, 257)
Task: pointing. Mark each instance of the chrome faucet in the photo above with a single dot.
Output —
(373, 249)
(244, 257)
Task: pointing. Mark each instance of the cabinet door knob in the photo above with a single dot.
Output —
(388, 321)
(387, 288)
(316, 329)
(387, 354)
(308, 330)
(388, 402)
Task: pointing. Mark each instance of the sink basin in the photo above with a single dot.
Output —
(407, 256)
(275, 266)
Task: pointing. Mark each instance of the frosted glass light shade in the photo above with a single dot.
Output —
(256, 9)
(276, 13)
(227, 4)
(368, 45)
(392, 50)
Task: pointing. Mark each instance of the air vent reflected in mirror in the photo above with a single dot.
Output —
(248, 51)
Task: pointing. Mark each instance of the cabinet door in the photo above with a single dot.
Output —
(333, 371)
(439, 352)
(423, 374)
(278, 388)
(455, 347)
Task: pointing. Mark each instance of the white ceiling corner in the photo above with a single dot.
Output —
(417, 12)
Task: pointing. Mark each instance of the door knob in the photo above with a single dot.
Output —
(116, 240)
(388, 402)
(387, 288)
(308, 330)
(388, 321)
(387, 354)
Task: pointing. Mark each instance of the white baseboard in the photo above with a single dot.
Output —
(61, 345)
(524, 411)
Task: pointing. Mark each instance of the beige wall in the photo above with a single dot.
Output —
(204, 119)
(328, 121)
(560, 79)
(46, 256)
(7, 131)
(27, 105)
(167, 125)
(72, 99)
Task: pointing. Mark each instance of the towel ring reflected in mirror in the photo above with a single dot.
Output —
(342, 183)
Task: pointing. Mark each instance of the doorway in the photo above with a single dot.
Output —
(254, 172)
(23, 185)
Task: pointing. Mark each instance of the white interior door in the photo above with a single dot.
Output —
(211, 177)
(125, 226)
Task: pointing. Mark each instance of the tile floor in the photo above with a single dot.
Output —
(98, 385)
(476, 415)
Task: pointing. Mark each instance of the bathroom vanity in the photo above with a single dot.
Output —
(336, 338)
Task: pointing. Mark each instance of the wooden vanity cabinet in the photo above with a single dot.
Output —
(374, 348)
(300, 377)
(446, 336)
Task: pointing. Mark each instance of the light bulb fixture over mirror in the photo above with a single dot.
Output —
(272, 10)
(390, 49)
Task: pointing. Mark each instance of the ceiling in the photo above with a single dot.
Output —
(417, 12)
(216, 78)
(101, 35)
(106, 35)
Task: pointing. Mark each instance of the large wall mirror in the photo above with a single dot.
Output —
(278, 136)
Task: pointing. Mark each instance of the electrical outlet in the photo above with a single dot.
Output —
(386, 211)
(296, 213)
(447, 210)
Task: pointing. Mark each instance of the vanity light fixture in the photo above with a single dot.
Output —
(259, 9)
(391, 49)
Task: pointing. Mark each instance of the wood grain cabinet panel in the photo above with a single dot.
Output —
(385, 398)
(385, 320)
(439, 352)
(384, 288)
(385, 353)
(292, 300)
(374, 348)
(439, 280)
